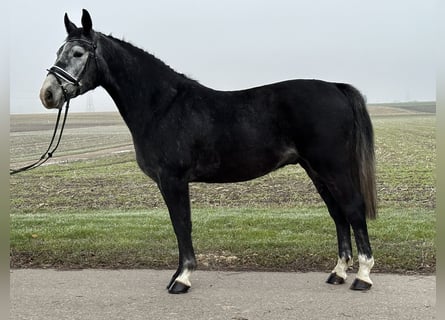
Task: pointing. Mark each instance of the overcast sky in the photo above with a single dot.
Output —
(384, 48)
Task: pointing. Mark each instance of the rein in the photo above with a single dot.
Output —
(48, 153)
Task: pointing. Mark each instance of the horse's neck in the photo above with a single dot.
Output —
(137, 82)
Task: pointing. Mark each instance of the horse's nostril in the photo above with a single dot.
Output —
(48, 95)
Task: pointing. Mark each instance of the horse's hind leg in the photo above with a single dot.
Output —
(352, 207)
(346, 206)
(338, 274)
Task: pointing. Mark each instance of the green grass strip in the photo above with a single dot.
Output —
(225, 238)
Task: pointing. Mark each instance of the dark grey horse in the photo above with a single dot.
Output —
(185, 132)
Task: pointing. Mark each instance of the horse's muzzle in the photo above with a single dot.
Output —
(51, 93)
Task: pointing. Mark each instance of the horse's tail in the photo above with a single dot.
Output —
(363, 150)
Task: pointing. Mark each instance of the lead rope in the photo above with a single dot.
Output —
(48, 154)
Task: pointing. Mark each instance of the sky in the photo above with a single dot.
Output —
(384, 48)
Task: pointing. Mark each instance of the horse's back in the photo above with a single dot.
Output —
(251, 132)
(297, 112)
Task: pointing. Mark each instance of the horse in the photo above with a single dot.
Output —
(185, 132)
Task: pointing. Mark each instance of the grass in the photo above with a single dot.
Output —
(103, 212)
(224, 238)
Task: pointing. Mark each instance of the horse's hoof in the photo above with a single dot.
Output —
(335, 279)
(178, 287)
(360, 285)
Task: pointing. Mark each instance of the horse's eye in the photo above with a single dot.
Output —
(77, 54)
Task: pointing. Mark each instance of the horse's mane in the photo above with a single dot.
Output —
(141, 54)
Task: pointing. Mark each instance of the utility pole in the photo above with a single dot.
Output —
(90, 104)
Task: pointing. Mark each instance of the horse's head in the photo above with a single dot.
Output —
(75, 70)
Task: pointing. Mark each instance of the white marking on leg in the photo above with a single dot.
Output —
(341, 267)
(184, 277)
(365, 265)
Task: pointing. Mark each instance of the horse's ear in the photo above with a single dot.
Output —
(87, 24)
(69, 26)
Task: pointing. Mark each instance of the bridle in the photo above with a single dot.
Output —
(62, 76)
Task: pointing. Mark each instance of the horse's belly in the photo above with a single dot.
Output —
(242, 166)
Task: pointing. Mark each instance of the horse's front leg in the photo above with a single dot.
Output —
(176, 196)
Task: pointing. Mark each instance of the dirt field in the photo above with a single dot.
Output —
(406, 175)
(84, 133)
(86, 136)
